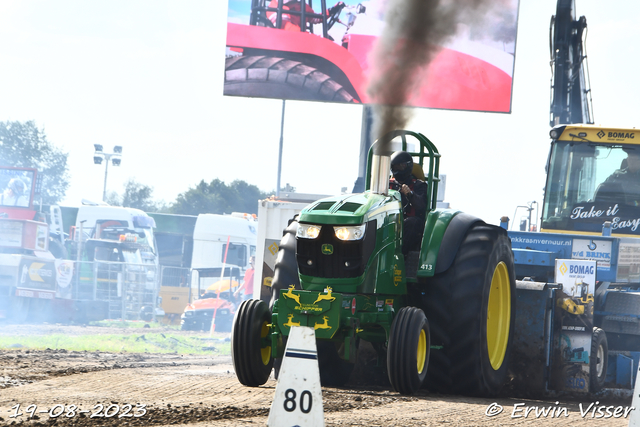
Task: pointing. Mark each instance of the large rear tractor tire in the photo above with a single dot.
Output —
(251, 343)
(273, 77)
(471, 309)
(598, 359)
(408, 350)
(436, 302)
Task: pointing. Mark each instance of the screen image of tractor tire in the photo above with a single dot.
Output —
(280, 78)
(251, 343)
(471, 310)
(408, 350)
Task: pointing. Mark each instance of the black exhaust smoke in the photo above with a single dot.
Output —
(413, 35)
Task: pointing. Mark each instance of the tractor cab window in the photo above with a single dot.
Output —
(104, 253)
(589, 184)
(236, 255)
(144, 226)
(146, 237)
(132, 257)
(115, 254)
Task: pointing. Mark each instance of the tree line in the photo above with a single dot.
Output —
(22, 144)
(214, 197)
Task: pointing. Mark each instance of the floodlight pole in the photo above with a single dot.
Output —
(106, 169)
(107, 157)
(280, 150)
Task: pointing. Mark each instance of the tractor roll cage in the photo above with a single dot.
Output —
(427, 150)
(259, 9)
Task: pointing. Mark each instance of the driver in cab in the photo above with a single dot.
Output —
(414, 199)
(623, 185)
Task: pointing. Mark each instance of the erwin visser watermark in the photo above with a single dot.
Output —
(585, 410)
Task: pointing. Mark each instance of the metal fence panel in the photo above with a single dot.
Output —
(126, 287)
(174, 276)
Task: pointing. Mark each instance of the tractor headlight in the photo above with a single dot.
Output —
(308, 231)
(349, 233)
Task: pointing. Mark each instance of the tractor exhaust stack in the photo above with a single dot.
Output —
(380, 167)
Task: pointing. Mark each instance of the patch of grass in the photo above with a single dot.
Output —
(115, 343)
(130, 324)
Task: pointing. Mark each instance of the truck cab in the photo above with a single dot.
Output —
(94, 219)
(222, 239)
(593, 178)
(591, 204)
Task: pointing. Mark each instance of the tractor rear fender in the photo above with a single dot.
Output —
(311, 50)
(443, 232)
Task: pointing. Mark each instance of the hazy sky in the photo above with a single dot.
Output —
(148, 75)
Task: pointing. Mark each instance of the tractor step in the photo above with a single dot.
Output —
(411, 262)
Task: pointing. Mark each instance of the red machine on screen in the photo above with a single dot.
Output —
(18, 188)
(279, 49)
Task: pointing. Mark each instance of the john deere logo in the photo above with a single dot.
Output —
(563, 268)
(327, 249)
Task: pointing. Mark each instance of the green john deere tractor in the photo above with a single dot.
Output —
(341, 270)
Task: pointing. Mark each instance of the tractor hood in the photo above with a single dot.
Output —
(350, 209)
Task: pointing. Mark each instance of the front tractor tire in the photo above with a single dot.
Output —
(408, 350)
(251, 343)
(471, 310)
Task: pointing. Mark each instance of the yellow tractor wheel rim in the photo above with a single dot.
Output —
(498, 315)
(265, 352)
(422, 350)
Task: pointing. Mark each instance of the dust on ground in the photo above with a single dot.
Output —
(134, 389)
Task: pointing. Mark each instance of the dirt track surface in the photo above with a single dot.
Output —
(162, 390)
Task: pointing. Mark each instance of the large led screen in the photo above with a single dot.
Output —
(271, 55)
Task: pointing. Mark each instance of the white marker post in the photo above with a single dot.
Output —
(298, 397)
(634, 417)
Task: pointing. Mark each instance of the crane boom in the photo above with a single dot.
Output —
(570, 89)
